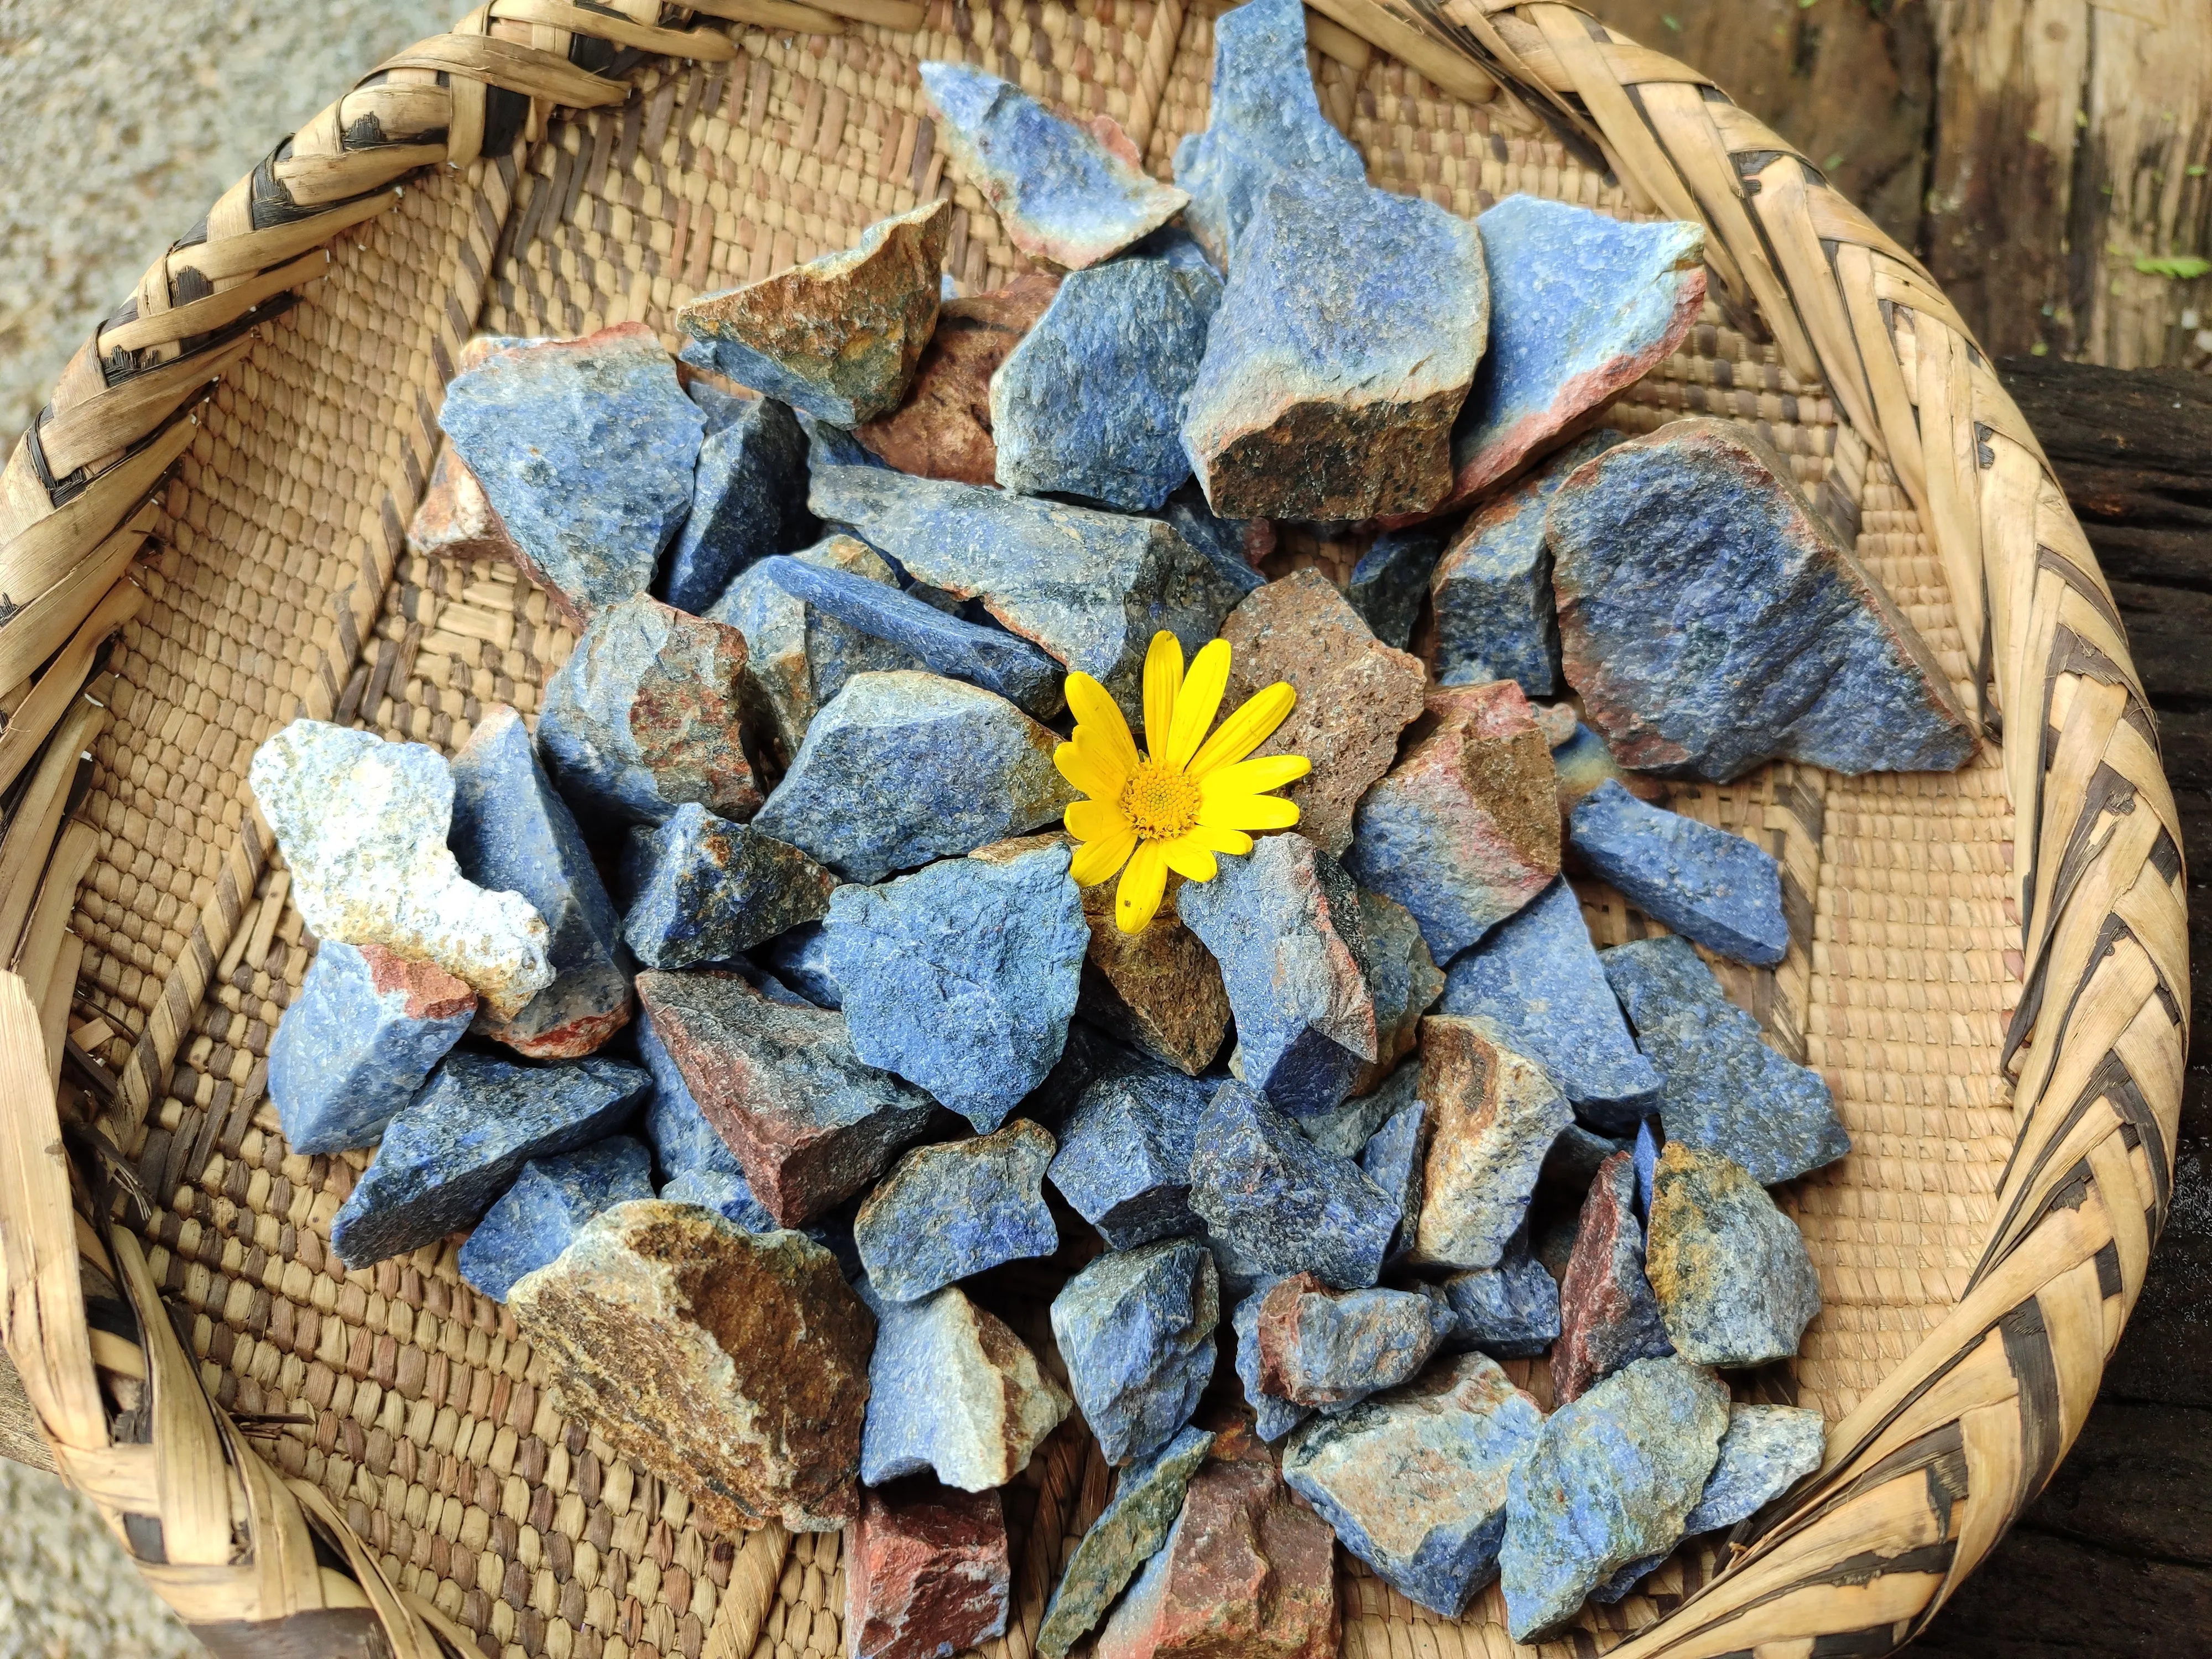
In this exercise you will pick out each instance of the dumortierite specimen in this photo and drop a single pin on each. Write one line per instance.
(695, 1163)
(1393, 1159)
(1735, 1283)
(1346, 1130)
(550, 1201)
(1059, 193)
(903, 768)
(1767, 1450)
(362, 825)
(735, 1364)
(1609, 1317)
(1612, 1479)
(1510, 1311)
(1329, 1349)
(1344, 344)
(953, 1391)
(1272, 1417)
(1493, 1116)
(1725, 1090)
(800, 958)
(948, 1211)
(748, 500)
(586, 450)
(1275, 1203)
(840, 335)
(962, 977)
(649, 713)
(943, 429)
(1232, 546)
(1125, 1150)
(1711, 620)
(511, 831)
(1159, 990)
(463, 1139)
(1537, 984)
(1090, 402)
(701, 890)
(1136, 1329)
(1133, 1526)
(1414, 1481)
(926, 1572)
(1391, 579)
(810, 1123)
(1719, 888)
(1403, 978)
(1285, 924)
(357, 1040)
(1090, 588)
(1264, 117)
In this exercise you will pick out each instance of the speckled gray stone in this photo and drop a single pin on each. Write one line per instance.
(1274, 1203)
(949, 1211)
(702, 890)
(1767, 1450)
(1735, 1283)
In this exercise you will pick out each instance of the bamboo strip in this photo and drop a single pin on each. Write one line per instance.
(37, 631)
(29, 841)
(40, 711)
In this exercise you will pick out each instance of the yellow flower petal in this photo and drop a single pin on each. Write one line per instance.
(1249, 812)
(1220, 840)
(1083, 771)
(1094, 820)
(1247, 729)
(1162, 681)
(1094, 708)
(1138, 898)
(1100, 753)
(1094, 860)
(1198, 701)
(1186, 858)
(1253, 777)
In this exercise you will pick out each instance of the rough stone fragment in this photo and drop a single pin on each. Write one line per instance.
(1330, 1349)
(1584, 763)
(1608, 1317)
(1767, 1450)
(810, 1124)
(1344, 344)
(1159, 989)
(1275, 1203)
(948, 1211)
(1124, 1150)
(1719, 888)
(943, 429)
(1725, 1090)
(695, 1163)
(800, 958)
(1391, 581)
(733, 1364)
(551, 1200)
(1272, 1416)
(1465, 830)
(648, 712)
(1392, 1159)
(1133, 1525)
(1537, 984)
(1493, 1116)
(1285, 924)
(840, 335)
(927, 1572)
(1647, 1168)
(1510, 1311)
(1612, 1479)
(357, 1040)
(1090, 588)
(952, 1390)
(962, 977)
(701, 890)
(511, 831)
(1735, 1283)
(1264, 117)
(1346, 1130)
(748, 500)
(1572, 1163)
(1414, 1481)
(1136, 1329)
(362, 826)
(1711, 620)
(1233, 546)
(1402, 977)
(455, 519)
(463, 1139)
(1091, 402)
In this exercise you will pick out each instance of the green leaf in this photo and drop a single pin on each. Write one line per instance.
(2181, 267)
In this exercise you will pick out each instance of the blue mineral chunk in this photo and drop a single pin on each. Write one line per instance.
(1136, 1330)
(1395, 1160)
(1572, 1163)
(701, 890)
(1734, 1284)
(1347, 1129)
(719, 407)
(1391, 579)
(1719, 888)
(1265, 116)
(800, 958)
(1725, 1089)
(1089, 1054)
(357, 1041)
(827, 443)
(748, 500)
(550, 1201)
(1274, 1203)
(1273, 1417)
(1510, 1311)
(586, 450)
(949, 1211)
(963, 977)
(1767, 1450)
(1125, 1150)
(683, 1142)
(465, 1137)
(952, 1391)
(1090, 402)
(1331, 1349)
(1230, 544)
(1647, 1168)
(727, 1194)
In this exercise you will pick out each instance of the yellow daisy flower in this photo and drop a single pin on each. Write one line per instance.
(1174, 807)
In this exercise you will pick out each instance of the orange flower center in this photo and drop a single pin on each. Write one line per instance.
(1160, 801)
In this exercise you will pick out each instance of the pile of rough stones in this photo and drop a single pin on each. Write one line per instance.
(688, 1002)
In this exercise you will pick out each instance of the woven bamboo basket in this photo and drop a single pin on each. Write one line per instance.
(204, 537)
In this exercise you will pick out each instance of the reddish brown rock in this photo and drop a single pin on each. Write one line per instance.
(1160, 989)
(927, 1571)
(1607, 1314)
(431, 991)
(1327, 1348)
(1355, 694)
(943, 429)
(456, 519)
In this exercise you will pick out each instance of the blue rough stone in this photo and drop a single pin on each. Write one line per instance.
(800, 958)
(1510, 1311)
(1128, 1531)
(1393, 1160)
(1402, 977)
(1090, 402)
(949, 1211)
(1767, 1450)
(1572, 1163)
(1610, 1480)
(963, 977)
(513, 833)
(355, 1044)
(1272, 1417)
(1136, 1330)
(828, 444)
(1230, 545)
(1090, 588)
(1285, 924)
(719, 407)
(586, 450)
(1734, 1284)
(903, 768)
(1345, 1130)
(952, 1391)
(1647, 1168)
(552, 1197)
(1331, 1349)
(1391, 579)
(1124, 1160)
(1264, 117)
(702, 890)
(1711, 620)
(1719, 888)
(463, 1138)
(748, 500)
(1581, 764)
(1609, 1317)
(1725, 1089)
(1415, 1481)
(1537, 984)
(1274, 1203)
